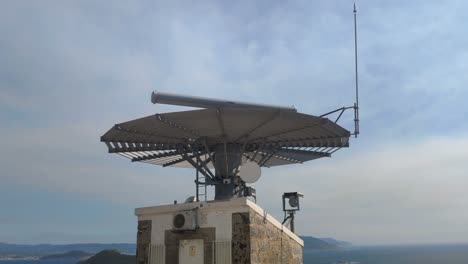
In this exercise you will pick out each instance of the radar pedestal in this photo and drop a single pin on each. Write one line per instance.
(227, 158)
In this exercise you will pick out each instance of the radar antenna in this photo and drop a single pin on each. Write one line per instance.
(228, 142)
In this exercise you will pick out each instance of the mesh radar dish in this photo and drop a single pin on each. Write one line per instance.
(217, 138)
(250, 172)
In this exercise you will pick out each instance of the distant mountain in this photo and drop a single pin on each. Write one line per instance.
(109, 257)
(75, 254)
(315, 243)
(335, 242)
(130, 248)
(47, 249)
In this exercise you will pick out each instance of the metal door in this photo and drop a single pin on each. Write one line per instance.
(191, 251)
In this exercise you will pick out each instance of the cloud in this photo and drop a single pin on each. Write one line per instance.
(70, 70)
(71, 159)
(408, 192)
(388, 193)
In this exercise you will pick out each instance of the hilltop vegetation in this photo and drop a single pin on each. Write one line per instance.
(109, 257)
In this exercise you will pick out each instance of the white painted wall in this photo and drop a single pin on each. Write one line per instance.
(191, 251)
(211, 214)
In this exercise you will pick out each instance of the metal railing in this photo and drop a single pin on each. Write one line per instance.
(220, 250)
(157, 254)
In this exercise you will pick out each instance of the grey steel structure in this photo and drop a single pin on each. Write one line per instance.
(224, 135)
(203, 102)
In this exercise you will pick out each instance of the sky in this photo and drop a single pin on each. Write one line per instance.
(70, 70)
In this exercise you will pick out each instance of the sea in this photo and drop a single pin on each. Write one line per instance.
(434, 254)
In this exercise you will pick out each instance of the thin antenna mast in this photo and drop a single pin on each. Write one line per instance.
(355, 107)
(356, 104)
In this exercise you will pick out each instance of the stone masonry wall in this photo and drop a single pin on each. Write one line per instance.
(270, 245)
(143, 241)
(240, 238)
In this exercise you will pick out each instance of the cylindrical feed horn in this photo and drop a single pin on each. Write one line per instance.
(203, 102)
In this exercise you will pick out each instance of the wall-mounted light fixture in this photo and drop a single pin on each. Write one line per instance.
(291, 207)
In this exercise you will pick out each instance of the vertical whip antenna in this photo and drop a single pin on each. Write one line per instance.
(356, 104)
(355, 107)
